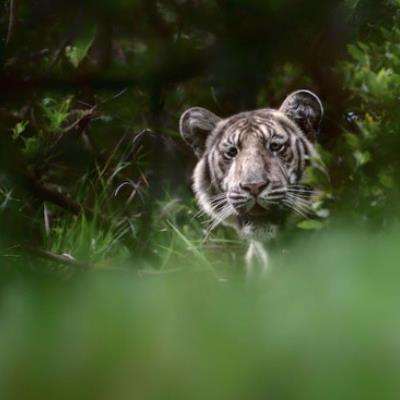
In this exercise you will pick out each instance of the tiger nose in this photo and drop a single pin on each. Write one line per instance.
(254, 188)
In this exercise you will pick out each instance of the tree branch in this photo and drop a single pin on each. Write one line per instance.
(11, 20)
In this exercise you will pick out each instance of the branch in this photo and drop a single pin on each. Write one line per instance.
(55, 197)
(62, 200)
(11, 20)
(59, 258)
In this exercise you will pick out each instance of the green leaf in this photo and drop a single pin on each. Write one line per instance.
(357, 53)
(32, 147)
(78, 51)
(352, 140)
(386, 180)
(19, 128)
(310, 224)
(56, 112)
(362, 157)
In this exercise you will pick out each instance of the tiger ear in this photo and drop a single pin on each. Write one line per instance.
(195, 125)
(305, 108)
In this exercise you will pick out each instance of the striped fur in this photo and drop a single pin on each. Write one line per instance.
(251, 165)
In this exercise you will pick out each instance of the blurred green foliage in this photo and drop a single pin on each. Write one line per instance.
(325, 324)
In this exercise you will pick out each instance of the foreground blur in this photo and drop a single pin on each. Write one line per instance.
(324, 325)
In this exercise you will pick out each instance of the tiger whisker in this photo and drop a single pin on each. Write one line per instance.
(214, 206)
(276, 194)
(241, 204)
(299, 185)
(302, 188)
(218, 202)
(294, 208)
(300, 199)
(218, 197)
(304, 207)
(223, 215)
(305, 197)
(199, 214)
(295, 190)
(302, 193)
(273, 198)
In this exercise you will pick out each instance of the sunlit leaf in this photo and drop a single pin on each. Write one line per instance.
(79, 49)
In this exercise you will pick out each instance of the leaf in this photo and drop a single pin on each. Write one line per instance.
(386, 180)
(32, 147)
(357, 53)
(56, 112)
(310, 224)
(19, 128)
(352, 140)
(78, 51)
(362, 157)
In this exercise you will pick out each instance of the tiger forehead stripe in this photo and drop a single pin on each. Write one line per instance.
(283, 130)
(237, 137)
(233, 132)
(263, 126)
(264, 129)
(261, 120)
(236, 128)
(285, 126)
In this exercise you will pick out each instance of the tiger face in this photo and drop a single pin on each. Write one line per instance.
(251, 165)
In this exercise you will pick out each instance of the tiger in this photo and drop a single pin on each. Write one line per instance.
(252, 166)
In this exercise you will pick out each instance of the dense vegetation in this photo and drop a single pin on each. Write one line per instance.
(110, 286)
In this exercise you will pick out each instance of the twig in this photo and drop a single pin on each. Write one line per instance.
(46, 219)
(59, 53)
(82, 121)
(11, 20)
(115, 97)
(61, 200)
(59, 258)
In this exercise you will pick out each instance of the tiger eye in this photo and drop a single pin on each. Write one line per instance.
(276, 147)
(232, 152)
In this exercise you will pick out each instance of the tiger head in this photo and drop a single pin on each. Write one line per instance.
(251, 165)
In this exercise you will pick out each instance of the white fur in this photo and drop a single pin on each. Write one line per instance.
(257, 260)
